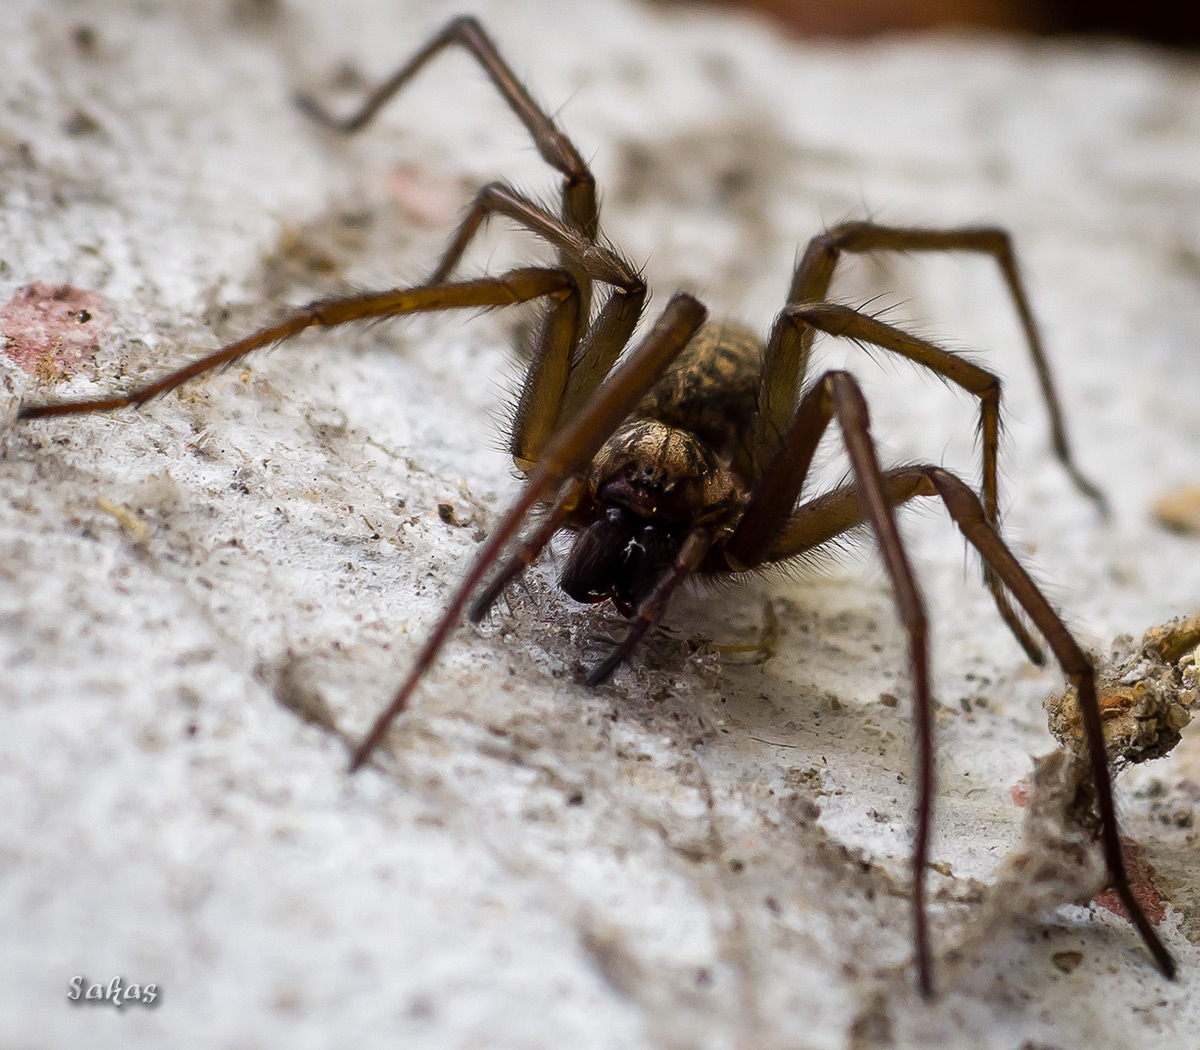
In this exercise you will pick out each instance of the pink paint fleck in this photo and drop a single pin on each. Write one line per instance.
(50, 327)
(1141, 882)
(1019, 792)
(424, 199)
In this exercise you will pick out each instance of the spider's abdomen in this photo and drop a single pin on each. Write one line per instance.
(711, 390)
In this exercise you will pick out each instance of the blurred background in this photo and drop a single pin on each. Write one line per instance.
(1166, 22)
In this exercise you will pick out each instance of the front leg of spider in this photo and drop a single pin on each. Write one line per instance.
(567, 454)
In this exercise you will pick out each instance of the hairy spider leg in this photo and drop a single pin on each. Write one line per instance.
(838, 395)
(567, 454)
(543, 406)
(580, 209)
(574, 235)
(814, 273)
(791, 339)
(516, 286)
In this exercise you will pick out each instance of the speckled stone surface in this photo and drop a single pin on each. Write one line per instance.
(201, 601)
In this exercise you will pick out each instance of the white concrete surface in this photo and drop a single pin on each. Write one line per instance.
(709, 852)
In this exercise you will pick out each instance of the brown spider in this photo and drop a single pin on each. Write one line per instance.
(689, 456)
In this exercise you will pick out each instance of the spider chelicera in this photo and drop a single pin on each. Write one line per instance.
(688, 455)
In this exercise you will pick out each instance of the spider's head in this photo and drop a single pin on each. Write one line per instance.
(650, 484)
(661, 472)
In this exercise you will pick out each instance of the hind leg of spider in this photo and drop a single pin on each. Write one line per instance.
(814, 273)
(579, 188)
(580, 210)
(516, 286)
(564, 457)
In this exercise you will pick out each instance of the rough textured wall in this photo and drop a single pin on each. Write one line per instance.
(200, 601)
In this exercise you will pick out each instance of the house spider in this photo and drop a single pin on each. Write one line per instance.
(688, 455)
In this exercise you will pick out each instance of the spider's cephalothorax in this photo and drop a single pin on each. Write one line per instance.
(689, 455)
(668, 468)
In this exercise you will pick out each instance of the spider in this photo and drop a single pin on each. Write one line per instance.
(687, 455)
